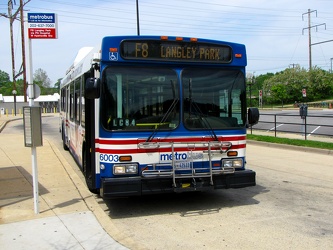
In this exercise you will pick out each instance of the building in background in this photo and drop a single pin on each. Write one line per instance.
(48, 103)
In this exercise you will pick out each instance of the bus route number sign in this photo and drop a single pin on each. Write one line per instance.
(176, 51)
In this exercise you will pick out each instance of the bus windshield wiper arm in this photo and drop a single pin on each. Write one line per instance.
(166, 115)
(204, 120)
(197, 108)
(164, 118)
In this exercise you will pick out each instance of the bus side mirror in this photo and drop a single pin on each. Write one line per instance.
(253, 116)
(92, 88)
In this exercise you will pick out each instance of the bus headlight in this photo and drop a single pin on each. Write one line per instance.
(125, 168)
(232, 163)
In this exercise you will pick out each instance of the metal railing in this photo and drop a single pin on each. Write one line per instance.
(295, 124)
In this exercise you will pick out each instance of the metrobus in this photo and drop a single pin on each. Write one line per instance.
(148, 115)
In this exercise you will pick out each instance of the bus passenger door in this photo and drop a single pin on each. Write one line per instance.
(88, 164)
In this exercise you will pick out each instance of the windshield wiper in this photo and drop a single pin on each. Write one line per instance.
(167, 114)
(201, 115)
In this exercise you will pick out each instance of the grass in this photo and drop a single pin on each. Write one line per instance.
(295, 142)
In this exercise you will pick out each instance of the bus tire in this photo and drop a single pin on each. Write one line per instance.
(65, 147)
(87, 175)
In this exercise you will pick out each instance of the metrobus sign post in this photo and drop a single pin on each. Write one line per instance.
(40, 26)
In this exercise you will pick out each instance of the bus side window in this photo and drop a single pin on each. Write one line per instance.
(71, 102)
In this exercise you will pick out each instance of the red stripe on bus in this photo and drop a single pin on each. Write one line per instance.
(159, 150)
(136, 141)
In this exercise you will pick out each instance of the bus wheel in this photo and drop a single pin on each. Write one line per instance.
(65, 147)
(87, 175)
(94, 190)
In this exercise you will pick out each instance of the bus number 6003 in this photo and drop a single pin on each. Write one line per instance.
(108, 158)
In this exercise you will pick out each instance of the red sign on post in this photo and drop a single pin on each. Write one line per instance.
(42, 33)
(304, 92)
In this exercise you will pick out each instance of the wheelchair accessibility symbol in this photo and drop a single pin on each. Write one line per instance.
(113, 56)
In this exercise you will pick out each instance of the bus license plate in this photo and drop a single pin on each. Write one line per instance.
(183, 165)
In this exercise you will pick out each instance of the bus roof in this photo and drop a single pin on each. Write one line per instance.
(169, 49)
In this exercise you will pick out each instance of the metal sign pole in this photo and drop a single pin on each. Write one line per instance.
(33, 148)
(40, 26)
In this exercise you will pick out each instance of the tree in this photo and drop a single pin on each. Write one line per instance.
(57, 84)
(279, 92)
(4, 78)
(41, 78)
(317, 82)
(43, 81)
(322, 84)
(293, 79)
(6, 86)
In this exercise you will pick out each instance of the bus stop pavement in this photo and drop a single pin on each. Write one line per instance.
(68, 215)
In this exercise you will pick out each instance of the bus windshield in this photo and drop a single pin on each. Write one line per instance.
(143, 98)
(137, 98)
(213, 98)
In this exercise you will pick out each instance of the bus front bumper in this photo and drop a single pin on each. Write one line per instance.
(137, 186)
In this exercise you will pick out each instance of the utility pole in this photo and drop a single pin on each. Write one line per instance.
(11, 21)
(12, 17)
(294, 65)
(137, 17)
(23, 51)
(309, 28)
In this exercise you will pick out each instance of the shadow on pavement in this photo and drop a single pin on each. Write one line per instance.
(185, 204)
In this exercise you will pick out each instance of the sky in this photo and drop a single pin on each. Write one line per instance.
(275, 33)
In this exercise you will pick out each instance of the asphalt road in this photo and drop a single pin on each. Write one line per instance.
(318, 122)
(290, 208)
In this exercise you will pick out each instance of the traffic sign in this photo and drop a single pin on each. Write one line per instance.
(304, 92)
(42, 26)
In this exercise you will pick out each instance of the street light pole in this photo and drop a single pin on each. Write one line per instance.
(14, 92)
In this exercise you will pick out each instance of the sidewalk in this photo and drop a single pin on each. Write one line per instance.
(69, 216)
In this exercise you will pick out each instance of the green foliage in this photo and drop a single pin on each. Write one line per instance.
(6, 86)
(57, 84)
(40, 78)
(279, 92)
(286, 86)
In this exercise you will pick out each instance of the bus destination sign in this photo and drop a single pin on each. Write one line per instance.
(176, 51)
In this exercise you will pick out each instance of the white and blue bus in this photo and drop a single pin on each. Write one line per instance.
(147, 114)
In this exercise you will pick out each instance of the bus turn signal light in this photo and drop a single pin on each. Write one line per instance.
(232, 153)
(125, 158)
